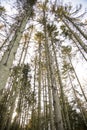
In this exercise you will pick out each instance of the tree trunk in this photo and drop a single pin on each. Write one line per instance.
(39, 90)
(33, 106)
(78, 101)
(84, 47)
(78, 80)
(56, 102)
(50, 102)
(66, 123)
(83, 34)
(5, 67)
(73, 39)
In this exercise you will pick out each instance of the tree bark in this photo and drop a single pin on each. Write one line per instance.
(84, 47)
(56, 102)
(5, 67)
(83, 34)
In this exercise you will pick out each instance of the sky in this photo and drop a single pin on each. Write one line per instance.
(76, 2)
(79, 67)
(73, 2)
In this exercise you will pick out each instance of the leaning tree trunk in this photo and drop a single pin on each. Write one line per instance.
(78, 79)
(75, 42)
(66, 123)
(84, 47)
(5, 68)
(77, 27)
(77, 100)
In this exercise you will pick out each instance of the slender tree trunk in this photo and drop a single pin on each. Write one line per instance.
(11, 111)
(39, 90)
(56, 102)
(84, 47)
(13, 105)
(50, 102)
(33, 106)
(78, 47)
(44, 103)
(46, 108)
(67, 117)
(17, 91)
(8, 38)
(5, 67)
(69, 19)
(61, 87)
(78, 80)
(78, 101)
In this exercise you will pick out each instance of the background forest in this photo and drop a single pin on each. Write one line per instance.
(43, 65)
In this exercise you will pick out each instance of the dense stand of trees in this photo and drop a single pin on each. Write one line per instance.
(42, 91)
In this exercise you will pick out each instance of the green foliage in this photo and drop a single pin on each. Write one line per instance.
(22, 88)
(65, 31)
(52, 32)
(39, 36)
(27, 4)
(2, 10)
(66, 50)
